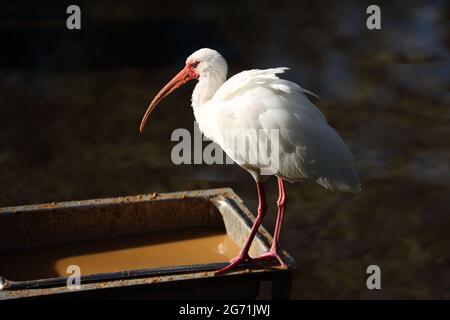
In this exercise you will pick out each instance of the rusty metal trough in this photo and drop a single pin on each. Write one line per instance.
(38, 225)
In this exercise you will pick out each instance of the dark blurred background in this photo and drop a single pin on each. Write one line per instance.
(71, 103)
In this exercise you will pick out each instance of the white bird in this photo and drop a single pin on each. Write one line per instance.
(291, 137)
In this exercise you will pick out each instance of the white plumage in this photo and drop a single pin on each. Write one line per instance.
(257, 103)
(260, 100)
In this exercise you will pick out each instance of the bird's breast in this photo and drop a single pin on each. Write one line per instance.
(205, 116)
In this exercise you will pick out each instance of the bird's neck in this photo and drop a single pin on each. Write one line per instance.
(205, 88)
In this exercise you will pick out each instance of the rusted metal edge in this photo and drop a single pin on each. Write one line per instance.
(191, 194)
(206, 269)
(99, 277)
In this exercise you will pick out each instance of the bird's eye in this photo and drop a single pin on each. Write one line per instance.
(194, 64)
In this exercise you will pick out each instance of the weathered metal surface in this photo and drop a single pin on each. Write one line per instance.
(36, 225)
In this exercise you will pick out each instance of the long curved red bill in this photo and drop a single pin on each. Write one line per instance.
(181, 78)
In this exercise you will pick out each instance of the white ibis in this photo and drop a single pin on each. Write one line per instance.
(259, 101)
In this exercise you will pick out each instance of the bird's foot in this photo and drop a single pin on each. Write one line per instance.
(270, 255)
(234, 263)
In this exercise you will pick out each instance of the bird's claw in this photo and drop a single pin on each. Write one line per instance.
(240, 259)
(271, 254)
(234, 263)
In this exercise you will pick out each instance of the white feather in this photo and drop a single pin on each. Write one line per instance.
(258, 100)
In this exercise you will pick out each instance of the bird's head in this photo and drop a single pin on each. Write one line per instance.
(200, 65)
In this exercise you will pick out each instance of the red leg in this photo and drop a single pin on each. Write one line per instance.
(281, 204)
(243, 255)
(273, 253)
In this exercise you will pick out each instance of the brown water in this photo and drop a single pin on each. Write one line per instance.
(151, 250)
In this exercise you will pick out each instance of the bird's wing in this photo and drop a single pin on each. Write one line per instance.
(258, 102)
(246, 79)
(250, 78)
(247, 82)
